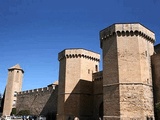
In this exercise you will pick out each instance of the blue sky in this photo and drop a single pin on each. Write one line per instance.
(33, 32)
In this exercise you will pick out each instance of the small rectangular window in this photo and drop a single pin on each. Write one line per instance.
(149, 118)
(146, 53)
(15, 93)
(96, 68)
(88, 71)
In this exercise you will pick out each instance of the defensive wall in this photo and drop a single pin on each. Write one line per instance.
(156, 77)
(123, 90)
(98, 94)
(41, 101)
(157, 49)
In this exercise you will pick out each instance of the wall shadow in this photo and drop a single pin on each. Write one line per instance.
(80, 101)
(50, 108)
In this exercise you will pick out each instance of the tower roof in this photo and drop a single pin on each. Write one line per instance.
(16, 67)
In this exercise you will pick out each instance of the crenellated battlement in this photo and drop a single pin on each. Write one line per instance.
(128, 29)
(78, 53)
(44, 89)
(39, 100)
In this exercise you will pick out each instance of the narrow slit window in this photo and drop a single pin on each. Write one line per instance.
(88, 71)
(96, 68)
(146, 53)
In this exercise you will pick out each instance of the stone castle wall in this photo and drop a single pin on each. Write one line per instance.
(123, 90)
(98, 95)
(40, 101)
(156, 80)
(157, 49)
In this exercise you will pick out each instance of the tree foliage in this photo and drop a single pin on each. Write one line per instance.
(157, 106)
(24, 113)
(13, 111)
(0, 95)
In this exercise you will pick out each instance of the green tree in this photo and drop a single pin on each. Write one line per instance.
(13, 111)
(24, 112)
(157, 106)
(0, 96)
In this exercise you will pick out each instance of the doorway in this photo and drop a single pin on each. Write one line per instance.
(101, 111)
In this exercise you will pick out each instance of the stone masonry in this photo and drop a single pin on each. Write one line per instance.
(40, 101)
(127, 77)
(75, 83)
(156, 78)
(126, 89)
(14, 85)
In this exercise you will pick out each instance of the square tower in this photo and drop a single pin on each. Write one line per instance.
(127, 77)
(14, 85)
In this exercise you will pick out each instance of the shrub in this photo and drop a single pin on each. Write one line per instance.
(24, 113)
(13, 111)
(157, 106)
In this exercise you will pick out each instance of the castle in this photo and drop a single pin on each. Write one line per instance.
(126, 89)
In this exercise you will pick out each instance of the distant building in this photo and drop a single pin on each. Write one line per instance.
(126, 89)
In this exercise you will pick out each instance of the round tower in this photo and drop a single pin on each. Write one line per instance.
(75, 83)
(14, 85)
(127, 78)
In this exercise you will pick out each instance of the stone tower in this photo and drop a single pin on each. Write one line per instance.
(76, 68)
(127, 77)
(14, 85)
